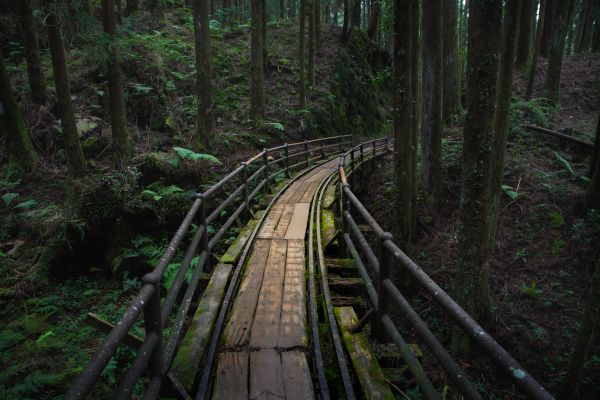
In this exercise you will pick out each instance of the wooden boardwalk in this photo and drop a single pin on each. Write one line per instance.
(265, 341)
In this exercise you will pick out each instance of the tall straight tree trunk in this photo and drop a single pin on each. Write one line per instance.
(281, 9)
(451, 73)
(355, 16)
(257, 79)
(29, 34)
(596, 36)
(536, 49)
(121, 142)
(311, 42)
(264, 20)
(374, 20)
(557, 47)
(318, 25)
(205, 128)
(63, 93)
(346, 23)
(213, 8)
(525, 32)
(431, 124)
(596, 152)
(585, 28)
(301, 63)
(472, 289)
(12, 123)
(548, 27)
(592, 197)
(509, 44)
(403, 146)
(416, 49)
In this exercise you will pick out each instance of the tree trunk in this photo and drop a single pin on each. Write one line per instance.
(118, 121)
(205, 128)
(355, 18)
(431, 123)
(525, 32)
(311, 43)
(596, 38)
(12, 123)
(570, 383)
(318, 25)
(131, 6)
(281, 9)
(346, 24)
(548, 30)
(585, 28)
(29, 35)
(592, 198)
(301, 71)
(403, 146)
(472, 286)
(213, 8)
(536, 49)
(450, 73)
(156, 8)
(509, 45)
(557, 47)
(374, 20)
(257, 79)
(63, 93)
(264, 20)
(416, 89)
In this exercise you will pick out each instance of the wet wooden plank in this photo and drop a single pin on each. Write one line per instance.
(298, 192)
(292, 327)
(310, 192)
(284, 222)
(231, 380)
(190, 353)
(266, 375)
(299, 222)
(268, 226)
(237, 331)
(296, 376)
(265, 328)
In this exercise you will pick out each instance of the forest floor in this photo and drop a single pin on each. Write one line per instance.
(546, 245)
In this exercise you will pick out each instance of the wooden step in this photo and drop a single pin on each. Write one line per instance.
(345, 267)
(189, 356)
(366, 367)
(345, 285)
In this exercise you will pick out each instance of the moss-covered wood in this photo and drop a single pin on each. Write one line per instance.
(366, 367)
(328, 229)
(236, 248)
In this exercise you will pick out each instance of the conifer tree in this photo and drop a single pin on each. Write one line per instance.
(29, 34)
(257, 80)
(301, 63)
(556, 49)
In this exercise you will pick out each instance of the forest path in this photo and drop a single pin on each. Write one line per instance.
(265, 341)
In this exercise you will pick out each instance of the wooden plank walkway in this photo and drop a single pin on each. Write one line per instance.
(264, 344)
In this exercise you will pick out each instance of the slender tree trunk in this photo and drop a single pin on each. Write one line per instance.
(281, 9)
(355, 17)
(416, 49)
(264, 21)
(451, 73)
(213, 8)
(131, 6)
(586, 22)
(301, 71)
(63, 93)
(431, 124)
(570, 383)
(205, 128)
(403, 108)
(509, 45)
(35, 73)
(557, 47)
(592, 198)
(596, 38)
(525, 33)
(548, 27)
(536, 49)
(472, 286)
(596, 152)
(318, 25)
(346, 25)
(12, 123)
(311, 42)
(374, 20)
(121, 140)
(257, 79)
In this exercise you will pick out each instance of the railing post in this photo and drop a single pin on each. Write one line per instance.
(287, 161)
(373, 148)
(387, 144)
(153, 324)
(344, 206)
(266, 159)
(245, 192)
(322, 148)
(383, 298)
(204, 240)
(341, 141)
(306, 151)
(352, 166)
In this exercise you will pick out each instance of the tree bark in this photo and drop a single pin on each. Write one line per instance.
(29, 34)
(355, 17)
(472, 286)
(596, 36)
(450, 73)
(416, 84)
(121, 141)
(301, 63)
(73, 150)
(585, 28)
(264, 20)
(431, 124)
(536, 49)
(403, 143)
(11, 122)
(257, 79)
(374, 20)
(557, 47)
(156, 8)
(281, 9)
(525, 32)
(205, 128)
(346, 24)
(548, 28)
(131, 6)
(318, 25)
(311, 42)
(592, 198)
(509, 44)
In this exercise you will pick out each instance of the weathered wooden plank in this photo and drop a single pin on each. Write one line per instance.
(319, 176)
(328, 230)
(190, 353)
(296, 376)
(370, 375)
(237, 330)
(298, 192)
(268, 226)
(310, 192)
(265, 328)
(266, 375)
(237, 247)
(292, 327)
(231, 380)
(329, 197)
(299, 222)
(284, 222)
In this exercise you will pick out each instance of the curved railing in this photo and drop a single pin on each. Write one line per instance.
(208, 208)
(383, 293)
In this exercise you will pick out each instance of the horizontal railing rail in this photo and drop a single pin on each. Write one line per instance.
(215, 210)
(375, 268)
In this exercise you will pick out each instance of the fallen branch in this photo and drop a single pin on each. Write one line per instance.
(588, 145)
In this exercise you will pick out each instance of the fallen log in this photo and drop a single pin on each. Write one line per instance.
(587, 145)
